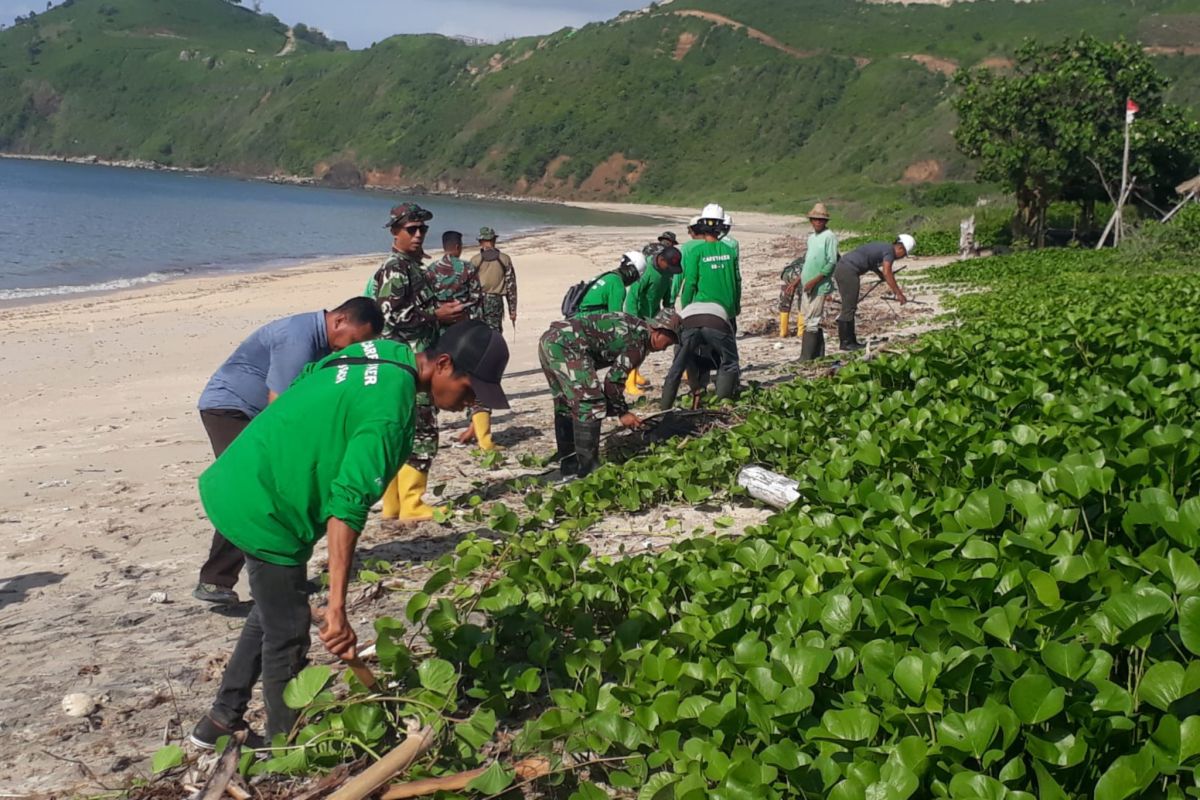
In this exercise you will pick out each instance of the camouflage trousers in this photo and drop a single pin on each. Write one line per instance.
(575, 387)
(493, 311)
(425, 434)
(786, 298)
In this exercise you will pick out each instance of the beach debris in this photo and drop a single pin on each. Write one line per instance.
(158, 597)
(777, 491)
(53, 484)
(79, 704)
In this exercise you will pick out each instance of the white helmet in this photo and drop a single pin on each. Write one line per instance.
(638, 260)
(712, 211)
(729, 220)
(909, 243)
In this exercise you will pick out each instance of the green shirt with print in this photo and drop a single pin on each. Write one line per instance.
(325, 448)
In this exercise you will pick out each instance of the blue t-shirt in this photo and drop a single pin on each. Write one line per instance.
(269, 360)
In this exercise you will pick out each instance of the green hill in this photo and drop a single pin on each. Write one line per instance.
(766, 102)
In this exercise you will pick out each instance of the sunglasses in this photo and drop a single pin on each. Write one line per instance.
(412, 230)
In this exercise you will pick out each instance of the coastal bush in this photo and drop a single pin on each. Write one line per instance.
(989, 588)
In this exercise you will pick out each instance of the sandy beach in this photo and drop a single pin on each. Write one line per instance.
(103, 445)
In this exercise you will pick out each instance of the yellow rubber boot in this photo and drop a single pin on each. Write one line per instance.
(391, 499)
(412, 485)
(641, 380)
(481, 421)
(631, 386)
(800, 326)
(783, 323)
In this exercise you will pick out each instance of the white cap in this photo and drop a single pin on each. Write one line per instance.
(909, 243)
(638, 260)
(712, 211)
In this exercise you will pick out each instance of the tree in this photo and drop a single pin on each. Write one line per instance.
(1054, 128)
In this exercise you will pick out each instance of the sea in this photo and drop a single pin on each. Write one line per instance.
(78, 228)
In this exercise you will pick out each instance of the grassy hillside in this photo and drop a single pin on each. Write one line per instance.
(768, 102)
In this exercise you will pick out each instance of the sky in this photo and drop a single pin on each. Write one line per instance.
(361, 22)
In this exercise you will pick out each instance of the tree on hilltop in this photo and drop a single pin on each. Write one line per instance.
(1054, 128)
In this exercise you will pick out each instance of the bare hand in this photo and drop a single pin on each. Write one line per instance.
(793, 286)
(337, 635)
(630, 420)
(900, 297)
(454, 311)
(512, 317)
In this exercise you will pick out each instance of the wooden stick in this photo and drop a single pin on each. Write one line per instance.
(363, 673)
(527, 770)
(227, 766)
(387, 767)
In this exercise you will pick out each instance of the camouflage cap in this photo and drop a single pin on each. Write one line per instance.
(667, 320)
(408, 212)
(487, 234)
(669, 236)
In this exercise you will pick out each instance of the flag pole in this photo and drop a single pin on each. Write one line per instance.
(1119, 231)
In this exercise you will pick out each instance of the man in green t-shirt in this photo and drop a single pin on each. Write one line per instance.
(647, 297)
(607, 292)
(815, 282)
(310, 466)
(710, 269)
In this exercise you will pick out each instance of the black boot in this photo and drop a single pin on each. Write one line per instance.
(564, 436)
(587, 446)
(809, 345)
(564, 441)
(821, 342)
(846, 336)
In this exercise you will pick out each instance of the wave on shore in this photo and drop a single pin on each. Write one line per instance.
(105, 286)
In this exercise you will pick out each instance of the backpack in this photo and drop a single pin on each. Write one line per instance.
(574, 296)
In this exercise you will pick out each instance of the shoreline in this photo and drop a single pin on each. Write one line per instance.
(286, 179)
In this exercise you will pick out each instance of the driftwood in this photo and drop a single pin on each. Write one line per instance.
(527, 770)
(777, 491)
(386, 768)
(214, 787)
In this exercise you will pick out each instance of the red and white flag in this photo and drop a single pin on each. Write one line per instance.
(1131, 110)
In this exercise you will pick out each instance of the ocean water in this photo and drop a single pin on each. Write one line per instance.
(71, 228)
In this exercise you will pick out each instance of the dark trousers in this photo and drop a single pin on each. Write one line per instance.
(273, 645)
(225, 561)
(848, 281)
(698, 349)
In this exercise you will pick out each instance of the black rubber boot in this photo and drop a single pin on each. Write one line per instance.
(846, 336)
(587, 446)
(821, 340)
(564, 436)
(810, 345)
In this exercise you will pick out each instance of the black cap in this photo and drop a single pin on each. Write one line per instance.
(674, 259)
(480, 352)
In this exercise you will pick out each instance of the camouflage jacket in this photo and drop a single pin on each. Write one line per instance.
(595, 341)
(509, 290)
(407, 301)
(455, 279)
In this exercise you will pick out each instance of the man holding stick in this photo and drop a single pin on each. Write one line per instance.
(310, 466)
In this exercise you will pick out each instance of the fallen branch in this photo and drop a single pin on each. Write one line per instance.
(218, 782)
(527, 770)
(387, 767)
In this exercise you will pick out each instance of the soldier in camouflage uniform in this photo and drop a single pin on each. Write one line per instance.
(412, 315)
(499, 280)
(454, 279)
(571, 354)
(790, 278)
